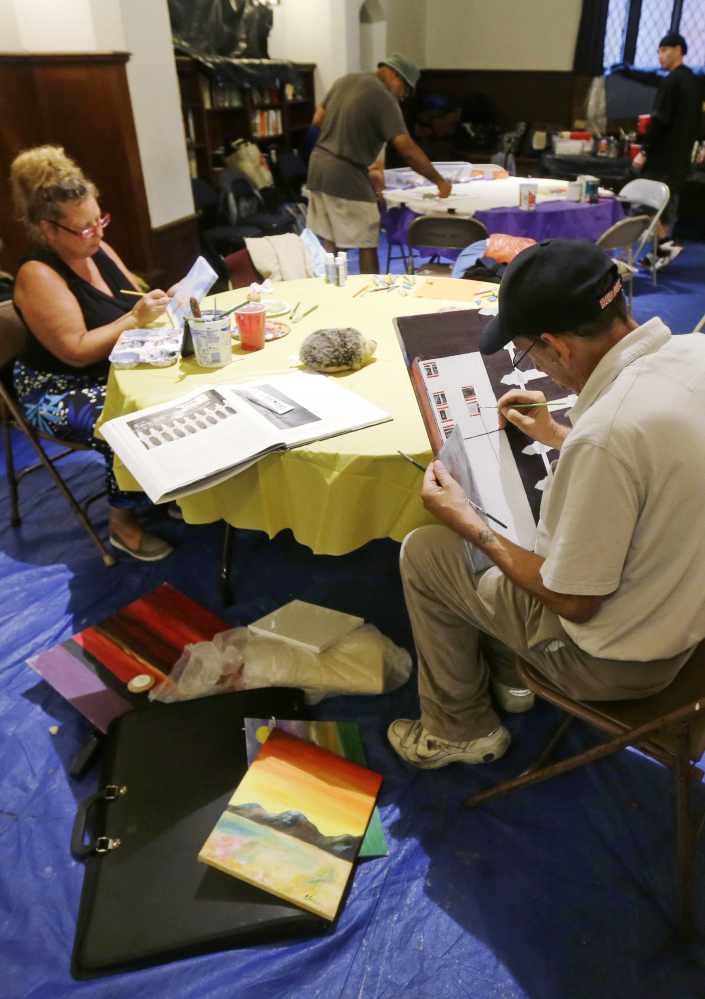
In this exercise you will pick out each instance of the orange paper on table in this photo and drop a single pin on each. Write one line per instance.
(457, 289)
(295, 824)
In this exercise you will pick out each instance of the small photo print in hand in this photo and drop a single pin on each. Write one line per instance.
(180, 421)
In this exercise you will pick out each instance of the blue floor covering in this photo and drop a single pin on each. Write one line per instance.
(565, 891)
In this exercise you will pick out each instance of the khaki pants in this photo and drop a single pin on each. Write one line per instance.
(468, 627)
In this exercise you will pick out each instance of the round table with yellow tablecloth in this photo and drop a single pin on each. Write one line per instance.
(337, 494)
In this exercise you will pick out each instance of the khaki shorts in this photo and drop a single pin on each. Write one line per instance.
(350, 225)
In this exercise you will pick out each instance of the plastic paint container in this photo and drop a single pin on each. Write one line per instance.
(251, 321)
(212, 343)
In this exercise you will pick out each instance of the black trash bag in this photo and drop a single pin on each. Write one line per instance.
(229, 39)
(238, 29)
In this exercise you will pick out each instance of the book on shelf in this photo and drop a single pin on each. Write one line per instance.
(179, 447)
(205, 85)
(192, 164)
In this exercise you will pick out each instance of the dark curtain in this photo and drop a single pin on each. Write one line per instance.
(590, 46)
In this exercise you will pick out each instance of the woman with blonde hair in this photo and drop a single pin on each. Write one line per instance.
(68, 294)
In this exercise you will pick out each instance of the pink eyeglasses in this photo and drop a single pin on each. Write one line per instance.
(92, 230)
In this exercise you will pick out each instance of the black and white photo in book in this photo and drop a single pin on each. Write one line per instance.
(192, 417)
(271, 403)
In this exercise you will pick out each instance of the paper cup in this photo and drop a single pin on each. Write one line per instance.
(251, 320)
(211, 340)
(527, 197)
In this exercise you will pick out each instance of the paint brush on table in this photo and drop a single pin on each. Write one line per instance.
(299, 318)
(474, 505)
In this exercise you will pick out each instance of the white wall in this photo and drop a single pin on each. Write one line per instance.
(312, 31)
(55, 25)
(509, 34)
(142, 28)
(156, 106)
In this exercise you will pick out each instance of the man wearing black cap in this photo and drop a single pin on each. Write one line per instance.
(667, 146)
(345, 174)
(611, 602)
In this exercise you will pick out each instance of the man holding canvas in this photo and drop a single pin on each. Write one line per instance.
(611, 602)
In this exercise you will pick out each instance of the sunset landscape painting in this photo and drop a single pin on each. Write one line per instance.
(295, 823)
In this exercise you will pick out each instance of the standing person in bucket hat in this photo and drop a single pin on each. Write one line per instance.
(610, 604)
(345, 175)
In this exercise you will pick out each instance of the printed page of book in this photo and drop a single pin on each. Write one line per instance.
(305, 406)
(186, 442)
(461, 396)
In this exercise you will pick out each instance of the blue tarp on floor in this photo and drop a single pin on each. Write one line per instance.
(565, 891)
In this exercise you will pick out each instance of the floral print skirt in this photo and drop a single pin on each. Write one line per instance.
(68, 406)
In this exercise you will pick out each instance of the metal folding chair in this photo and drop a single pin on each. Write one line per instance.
(669, 727)
(654, 194)
(12, 334)
(623, 236)
(447, 232)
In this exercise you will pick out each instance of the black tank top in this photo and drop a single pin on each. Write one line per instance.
(98, 309)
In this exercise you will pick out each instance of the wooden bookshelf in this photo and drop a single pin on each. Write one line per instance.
(215, 116)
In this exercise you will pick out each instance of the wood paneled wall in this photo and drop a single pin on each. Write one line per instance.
(555, 98)
(82, 102)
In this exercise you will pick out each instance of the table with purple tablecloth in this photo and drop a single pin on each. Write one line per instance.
(570, 219)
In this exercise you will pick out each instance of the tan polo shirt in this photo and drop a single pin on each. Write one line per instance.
(624, 512)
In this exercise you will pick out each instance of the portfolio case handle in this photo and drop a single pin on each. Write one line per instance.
(101, 844)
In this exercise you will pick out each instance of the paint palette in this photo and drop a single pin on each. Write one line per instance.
(274, 329)
(276, 308)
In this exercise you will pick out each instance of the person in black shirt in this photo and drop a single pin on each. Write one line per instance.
(69, 292)
(667, 146)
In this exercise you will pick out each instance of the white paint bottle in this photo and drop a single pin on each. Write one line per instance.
(330, 268)
(341, 268)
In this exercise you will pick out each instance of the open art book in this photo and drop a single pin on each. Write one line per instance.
(205, 436)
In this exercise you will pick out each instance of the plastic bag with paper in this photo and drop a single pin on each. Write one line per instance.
(364, 662)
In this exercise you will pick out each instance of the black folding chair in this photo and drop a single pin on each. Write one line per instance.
(12, 334)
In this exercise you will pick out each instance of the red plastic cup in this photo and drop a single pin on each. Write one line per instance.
(251, 320)
(643, 126)
(634, 151)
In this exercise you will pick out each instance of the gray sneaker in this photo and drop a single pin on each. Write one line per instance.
(429, 752)
(151, 548)
(516, 700)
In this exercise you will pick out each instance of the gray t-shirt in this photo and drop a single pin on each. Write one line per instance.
(360, 116)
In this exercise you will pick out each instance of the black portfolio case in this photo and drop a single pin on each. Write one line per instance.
(168, 775)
